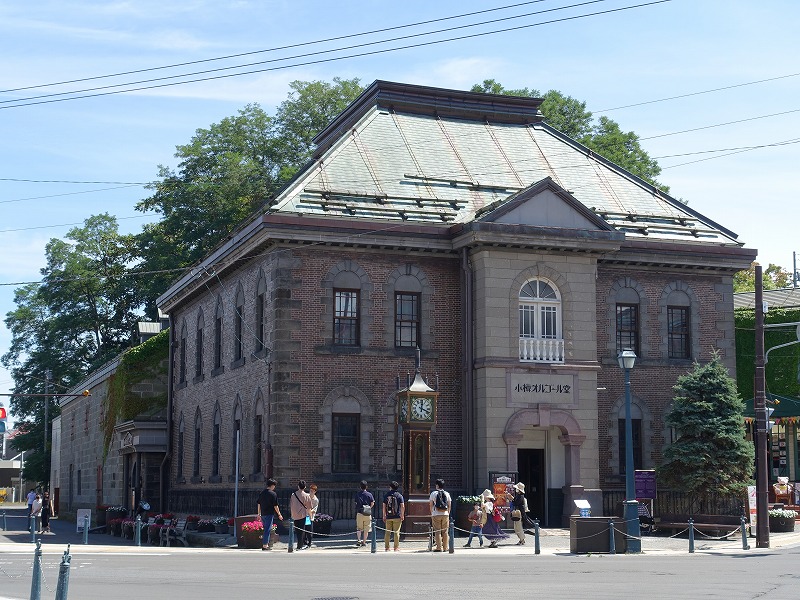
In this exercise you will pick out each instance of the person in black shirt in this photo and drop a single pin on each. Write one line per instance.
(267, 509)
(393, 513)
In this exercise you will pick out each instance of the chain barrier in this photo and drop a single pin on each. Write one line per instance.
(44, 579)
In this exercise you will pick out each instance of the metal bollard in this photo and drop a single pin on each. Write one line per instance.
(691, 536)
(537, 549)
(137, 531)
(291, 536)
(612, 544)
(32, 528)
(373, 536)
(62, 588)
(451, 533)
(86, 529)
(5, 525)
(430, 539)
(36, 578)
(745, 545)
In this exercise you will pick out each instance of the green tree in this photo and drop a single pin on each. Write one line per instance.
(226, 173)
(774, 277)
(79, 317)
(570, 117)
(711, 454)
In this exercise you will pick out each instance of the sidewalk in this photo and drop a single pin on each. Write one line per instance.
(554, 542)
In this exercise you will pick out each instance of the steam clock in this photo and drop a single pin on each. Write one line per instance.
(416, 414)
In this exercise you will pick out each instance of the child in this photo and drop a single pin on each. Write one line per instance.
(477, 518)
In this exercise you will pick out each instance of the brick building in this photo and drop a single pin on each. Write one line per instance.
(519, 262)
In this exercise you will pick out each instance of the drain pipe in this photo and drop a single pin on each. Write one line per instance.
(165, 463)
(468, 398)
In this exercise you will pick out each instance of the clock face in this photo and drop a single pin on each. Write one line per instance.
(403, 412)
(422, 409)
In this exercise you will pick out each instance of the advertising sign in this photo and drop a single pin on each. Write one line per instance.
(82, 512)
(502, 483)
(751, 504)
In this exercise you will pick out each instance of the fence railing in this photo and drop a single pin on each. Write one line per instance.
(674, 502)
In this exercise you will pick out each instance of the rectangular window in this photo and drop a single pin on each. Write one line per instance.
(345, 318)
(527, 323)
(636, 430)
(406, 320)
(549, 321)
(218, 342)
(346, 447)
(678, 332)
(628, 327)
(198, 353)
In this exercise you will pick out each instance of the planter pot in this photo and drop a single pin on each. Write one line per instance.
(101, 518)
(191, 526)
(250, 541)
(322, 527)
(231, 529)
(781, 525)
(462, 522)
(221, 528)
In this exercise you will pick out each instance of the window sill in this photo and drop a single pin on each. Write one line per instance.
(218, 371)
(215, 479)
(238, 363)
(181, 385)
(199, 379)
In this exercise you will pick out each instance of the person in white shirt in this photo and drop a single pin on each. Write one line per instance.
(440, 504)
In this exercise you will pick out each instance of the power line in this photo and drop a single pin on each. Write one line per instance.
(688, 95)
(296, 56)
(122, 187)
(742, 148)
(786, 112)
(72, 224)
(328, 60)
(275, 49)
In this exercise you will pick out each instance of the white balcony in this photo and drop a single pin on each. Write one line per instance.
(541, 350)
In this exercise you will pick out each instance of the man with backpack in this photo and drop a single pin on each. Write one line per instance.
(440, 516)
(365, 503)
(394, 509)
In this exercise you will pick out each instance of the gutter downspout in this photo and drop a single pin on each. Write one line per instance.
(164, 477)
(468, 397)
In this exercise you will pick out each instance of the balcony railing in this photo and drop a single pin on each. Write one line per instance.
(541, 350)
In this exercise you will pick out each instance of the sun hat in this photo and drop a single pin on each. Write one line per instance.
(520, 487)
(487, 494)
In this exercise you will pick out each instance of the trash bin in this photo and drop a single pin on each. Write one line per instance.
(590, 534)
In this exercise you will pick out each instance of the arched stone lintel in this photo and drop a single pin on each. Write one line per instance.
(544, 416)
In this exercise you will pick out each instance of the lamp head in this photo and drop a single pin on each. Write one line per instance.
(626, 359)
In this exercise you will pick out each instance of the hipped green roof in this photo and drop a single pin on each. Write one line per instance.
(787, 406)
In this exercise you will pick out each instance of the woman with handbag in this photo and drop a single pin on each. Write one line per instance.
(518, 506)
(491, 530)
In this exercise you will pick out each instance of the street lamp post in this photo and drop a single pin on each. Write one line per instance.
(626, 360)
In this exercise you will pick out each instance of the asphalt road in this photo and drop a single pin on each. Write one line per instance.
(119, 571)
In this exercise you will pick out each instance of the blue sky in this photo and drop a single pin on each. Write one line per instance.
(608, 61)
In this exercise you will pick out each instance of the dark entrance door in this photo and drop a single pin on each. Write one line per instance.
(530, 464)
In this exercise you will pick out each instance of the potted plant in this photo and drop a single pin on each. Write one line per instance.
(322, 524)
(252, 534)
(191, 522)
(154, 533)
(231, 526)
(115, 512)
(220, 524)
(781, 520)
(101, 514)
(127, 528)
(115, 526)
(205, 526)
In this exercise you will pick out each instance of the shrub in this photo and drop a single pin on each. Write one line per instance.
(253, 527)
(322, 517)
(220, 520)
(205, 526)
(192, 519)
(782, 513)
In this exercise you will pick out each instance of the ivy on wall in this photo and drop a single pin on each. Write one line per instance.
(147, 361)
(783, 369)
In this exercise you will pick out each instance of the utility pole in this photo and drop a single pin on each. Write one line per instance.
(47, 375)
(760, 407)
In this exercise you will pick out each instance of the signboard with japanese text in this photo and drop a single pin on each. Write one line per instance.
(645, 483)
(81, 517)
(535, 388)
(502, 483)
(751, 505)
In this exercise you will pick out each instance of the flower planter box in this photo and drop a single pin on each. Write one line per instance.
(191, 525)
(221, 528)
(781, 524)
(322, 527)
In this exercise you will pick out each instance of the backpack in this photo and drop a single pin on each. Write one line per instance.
(392, 506)
(440, 502)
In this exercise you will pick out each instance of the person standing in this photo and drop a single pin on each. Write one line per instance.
(47, 512)
(311, 514)
(267, 509)
(518, 510)
(394, 510)
(31, 497)
(477, 518)
(440, 504)
(36, 511)
(299, 506)
(491, 530)
(365, 504)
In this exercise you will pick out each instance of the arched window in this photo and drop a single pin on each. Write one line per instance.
(540, 323)
(215, 432)
(258, 436)
(179, 458)
(218, 368)
(198, 428)
(198, 346)
(260, 325)
(182, 354)
(346, 309)
(236, 440)
(679, 339)
(238, 327)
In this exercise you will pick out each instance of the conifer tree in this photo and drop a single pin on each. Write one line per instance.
(711, 454)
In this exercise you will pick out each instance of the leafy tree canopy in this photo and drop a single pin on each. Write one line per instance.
(711, 454)
(605, 136)
(774, 277)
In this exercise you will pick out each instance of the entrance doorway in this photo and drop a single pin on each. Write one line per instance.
(531, 467)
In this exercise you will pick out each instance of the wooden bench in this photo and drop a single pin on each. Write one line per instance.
(175, 532)
(716, 525)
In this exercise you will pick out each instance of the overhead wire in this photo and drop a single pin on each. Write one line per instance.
(24, 102)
